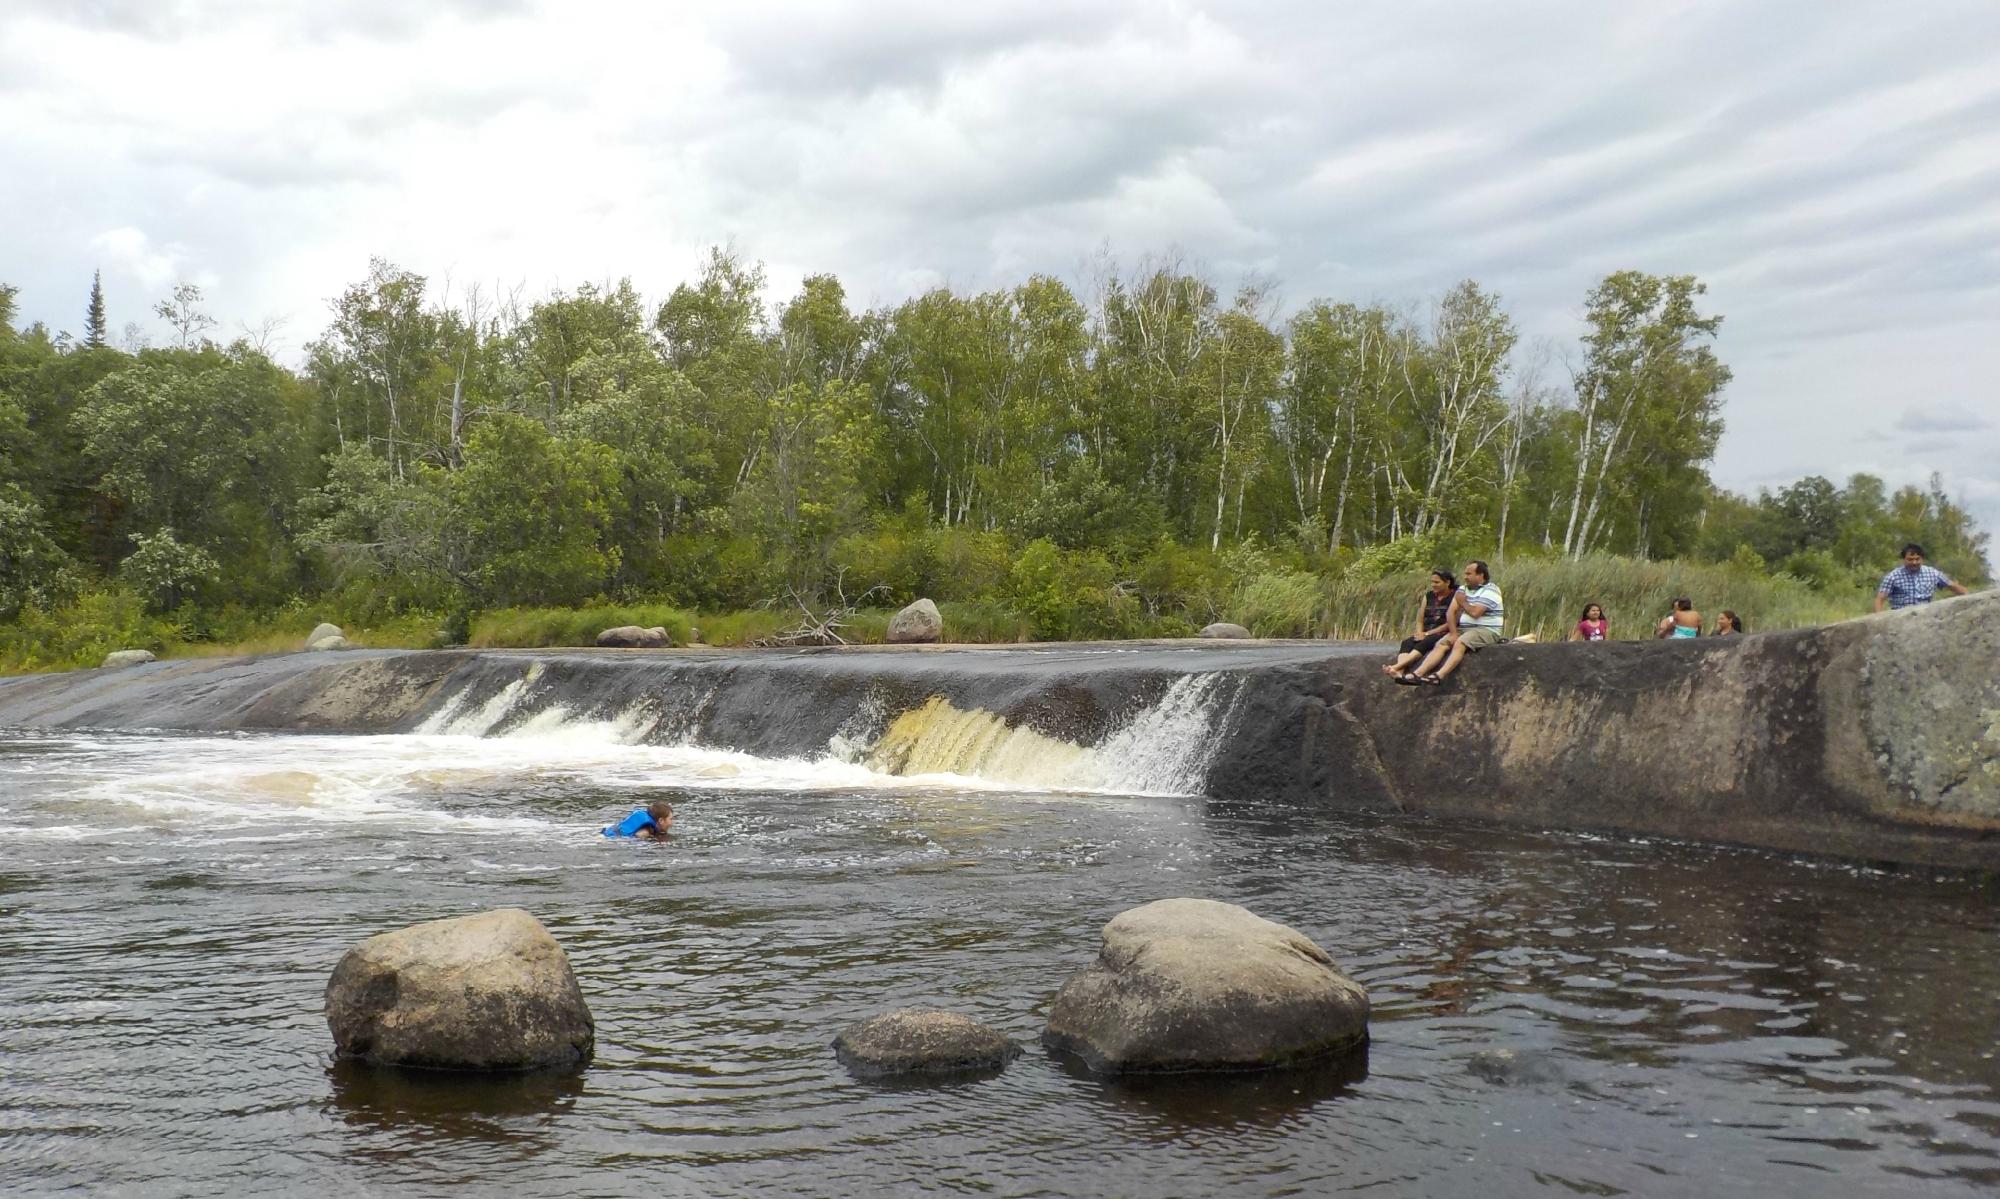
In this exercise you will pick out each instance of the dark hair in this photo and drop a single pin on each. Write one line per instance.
(1450, 579)
(1735, 622)
(1485, 572)
(1586, 612)
(1913, 548)
(1683, 604)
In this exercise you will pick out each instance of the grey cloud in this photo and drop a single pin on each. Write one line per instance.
(1942, 419)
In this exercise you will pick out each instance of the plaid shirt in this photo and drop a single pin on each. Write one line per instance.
(1907, 588)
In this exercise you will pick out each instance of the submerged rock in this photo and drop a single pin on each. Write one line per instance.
(920, 623)
(922, 1041)
(1193, 984)
(487, 992)
(128, 657)
(1224, 631)
(322, 632)
(1514, 1067)
(631, 636)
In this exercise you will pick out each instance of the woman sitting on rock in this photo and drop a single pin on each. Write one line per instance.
(1591, 626)
(1728, 624)
(1683, 621)
(1433, 623)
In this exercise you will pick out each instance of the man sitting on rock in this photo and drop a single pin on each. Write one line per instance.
(1476, 618)
(649, 823)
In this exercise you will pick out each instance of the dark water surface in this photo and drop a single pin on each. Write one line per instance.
(1693, 1021)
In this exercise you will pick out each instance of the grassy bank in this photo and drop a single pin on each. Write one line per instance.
(1544, 596)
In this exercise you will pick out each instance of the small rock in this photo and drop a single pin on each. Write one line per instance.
(335, 642)
(1224, 631)
(128, 657)
(321, 632)
(487, 992)
(721, 770)
(1193, 984)
(1508, 1067)
(919, 624)
(631, 636)
(922, 1041)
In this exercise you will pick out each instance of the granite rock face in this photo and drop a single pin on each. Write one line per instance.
(922, 1041)
(324, 632)
(919, 624)
(1193, 984)
(490, 992)
(128, 657)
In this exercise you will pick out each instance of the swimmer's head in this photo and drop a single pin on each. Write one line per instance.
(662, 813)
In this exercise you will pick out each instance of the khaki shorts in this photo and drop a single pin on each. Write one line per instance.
(1476, 639)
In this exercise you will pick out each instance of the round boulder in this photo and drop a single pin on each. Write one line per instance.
(1224, 631)
(322, 632)
(128, 657)
(335, 642)
(922, 1041)
(487, 992)
(631, 636)
(919, 624)
(1193, 984)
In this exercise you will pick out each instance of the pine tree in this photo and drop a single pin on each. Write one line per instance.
(93, 321)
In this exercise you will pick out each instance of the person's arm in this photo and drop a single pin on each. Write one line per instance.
(1475, 608)
(1576, 632)
(1956, 586)
(1882, 591)
(1881, 598)
(1421, 605)
(1451, 613)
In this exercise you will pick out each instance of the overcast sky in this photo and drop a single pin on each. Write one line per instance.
(1832, 170)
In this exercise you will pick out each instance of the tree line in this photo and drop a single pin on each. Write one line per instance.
(457, 449)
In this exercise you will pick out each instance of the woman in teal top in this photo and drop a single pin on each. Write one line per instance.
(1684, 621)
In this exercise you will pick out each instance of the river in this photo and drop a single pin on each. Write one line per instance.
(1699, 1020)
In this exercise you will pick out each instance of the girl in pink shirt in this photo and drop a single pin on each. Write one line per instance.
(1592, 626)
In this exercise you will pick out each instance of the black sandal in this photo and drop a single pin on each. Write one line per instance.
(1407, 679)
(1432, 680)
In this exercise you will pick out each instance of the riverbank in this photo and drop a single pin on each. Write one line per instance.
(1876, 738)
(1544, 596)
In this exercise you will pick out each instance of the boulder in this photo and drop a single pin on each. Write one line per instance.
(919, 624)
(321, 632)
(631, 636)
(487, 992)
(1224, 631)
(335, 642)
(1193, 984)
(922, 1041)
(128, 657)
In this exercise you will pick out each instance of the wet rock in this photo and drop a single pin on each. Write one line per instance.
(1193, 984)
(920, 623)
(1224, 631)
(322, 632)
(1514, 1067)
(631, 636)
(922, 1041)
(128, 657)
(487, 992)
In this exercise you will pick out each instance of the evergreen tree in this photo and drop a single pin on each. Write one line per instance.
(94, 326)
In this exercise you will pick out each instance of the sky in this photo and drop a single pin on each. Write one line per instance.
(1831, 170)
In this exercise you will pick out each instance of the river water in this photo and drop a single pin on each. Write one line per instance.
(1688, 1021)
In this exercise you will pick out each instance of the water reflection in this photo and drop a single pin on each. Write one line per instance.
(1223, 1100)
(486, 1107)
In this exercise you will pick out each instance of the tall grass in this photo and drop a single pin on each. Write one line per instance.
(1546, 596)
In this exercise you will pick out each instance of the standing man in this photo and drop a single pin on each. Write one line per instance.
(1476, 617)
(1913, 583)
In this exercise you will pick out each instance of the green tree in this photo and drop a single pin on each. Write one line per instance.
(534, 512)
(94, 323)
(166, 570)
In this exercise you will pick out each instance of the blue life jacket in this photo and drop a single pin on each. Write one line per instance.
(630, 826)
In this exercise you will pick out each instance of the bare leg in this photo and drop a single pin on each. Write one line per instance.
(1451, 663)
(1437, 655)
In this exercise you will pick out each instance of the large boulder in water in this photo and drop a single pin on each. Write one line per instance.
(922, 1041)
(631, 636)
(128, 657)
(1193, 984)
(487, 992)
(1224, 631)
(325, 632)
(919, 624)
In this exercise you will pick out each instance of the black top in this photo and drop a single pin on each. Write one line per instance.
(1435, 608)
